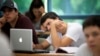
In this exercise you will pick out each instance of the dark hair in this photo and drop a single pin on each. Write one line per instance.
(50, 15)
(92, 21)
(35, 4)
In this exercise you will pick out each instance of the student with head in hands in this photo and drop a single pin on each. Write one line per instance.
(61, 34)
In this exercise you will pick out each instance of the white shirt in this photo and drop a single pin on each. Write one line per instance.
(83, 51)
(5, 49)
(74, 32)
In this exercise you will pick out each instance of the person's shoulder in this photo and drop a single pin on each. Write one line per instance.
(5, 48)
(23, 18)
(75, 27)
(83, 47)
(83, 51)
(75, 24)
(24, 22)
(2, 36)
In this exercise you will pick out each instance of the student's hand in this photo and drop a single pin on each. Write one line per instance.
(33, 45)
(58, 24)
(2, 22)
(43, 28)
(41, 10)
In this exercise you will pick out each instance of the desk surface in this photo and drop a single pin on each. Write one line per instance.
(44, 54)
(45, 33)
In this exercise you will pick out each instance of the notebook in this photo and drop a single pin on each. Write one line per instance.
(69, 50)
(22, 41)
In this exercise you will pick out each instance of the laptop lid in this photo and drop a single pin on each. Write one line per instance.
(21, 39)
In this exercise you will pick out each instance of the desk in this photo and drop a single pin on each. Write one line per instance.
(44, 54)
(45, 33)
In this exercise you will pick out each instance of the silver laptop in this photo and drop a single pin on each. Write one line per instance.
(22, 41)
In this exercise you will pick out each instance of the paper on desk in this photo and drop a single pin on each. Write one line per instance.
(66, 49)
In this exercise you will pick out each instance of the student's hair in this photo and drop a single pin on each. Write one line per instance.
(35, 4)
(50, 15)
(92, 21)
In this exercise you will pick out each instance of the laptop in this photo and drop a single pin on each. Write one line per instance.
(22, 41)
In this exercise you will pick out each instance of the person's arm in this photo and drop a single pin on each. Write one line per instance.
(42, 10)
(2, 21)
(72, 35)
(42, 45)
(56, 40)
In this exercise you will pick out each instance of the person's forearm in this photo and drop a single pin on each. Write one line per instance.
(56, 41)
(38, 46)
(2, 22)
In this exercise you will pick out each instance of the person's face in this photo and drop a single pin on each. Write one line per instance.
(10, 14)
(38, 11)
(92, 34)
(47, 25)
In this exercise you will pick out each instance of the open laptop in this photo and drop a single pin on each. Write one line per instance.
(22, 41)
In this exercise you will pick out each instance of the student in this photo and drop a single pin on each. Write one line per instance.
(91, 28)
(61, 34)
(15, 20)
(35, 12)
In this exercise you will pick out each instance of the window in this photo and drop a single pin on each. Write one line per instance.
(74, 9)
(24, 5)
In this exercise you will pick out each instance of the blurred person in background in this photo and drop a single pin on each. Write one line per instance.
(5, 49)
(35, 13)
(91, 28)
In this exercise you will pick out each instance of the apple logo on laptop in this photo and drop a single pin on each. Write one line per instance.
(20, 40)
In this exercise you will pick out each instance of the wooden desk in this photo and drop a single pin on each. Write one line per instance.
(44, 54)
(45, 33)
(42, 34)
